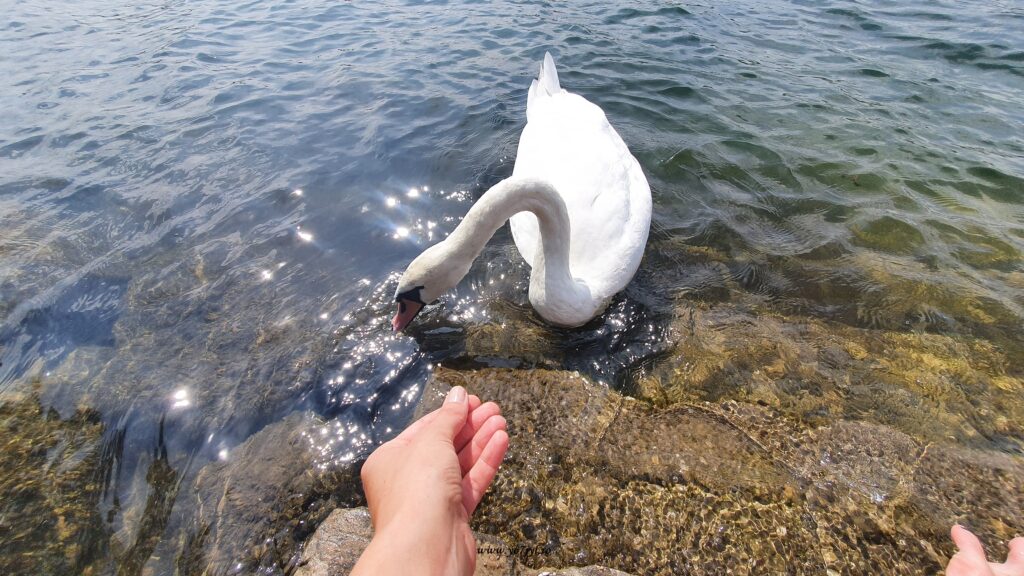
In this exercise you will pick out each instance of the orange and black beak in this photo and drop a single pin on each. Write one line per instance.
(409, 305)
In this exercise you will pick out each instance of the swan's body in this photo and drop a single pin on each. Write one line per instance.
(580, 211)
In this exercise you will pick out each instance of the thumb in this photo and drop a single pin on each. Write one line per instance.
(1015, 559)
(452, 415)
(967, 542)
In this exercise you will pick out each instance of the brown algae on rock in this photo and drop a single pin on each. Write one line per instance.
(253, 508)
(808, 416)
(833, 410)
(931, 386)
(708, 487)
(50, 490)
(888, 234)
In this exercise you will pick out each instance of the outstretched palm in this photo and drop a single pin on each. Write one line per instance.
(423, 486)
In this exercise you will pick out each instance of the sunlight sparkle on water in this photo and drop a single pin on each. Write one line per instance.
(304, 236)
(408, 219)
(180, 399)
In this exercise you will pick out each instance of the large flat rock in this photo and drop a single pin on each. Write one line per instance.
(339, 541)
(595, 477)
(253, 508)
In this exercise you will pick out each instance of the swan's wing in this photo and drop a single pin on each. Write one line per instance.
(569, 142)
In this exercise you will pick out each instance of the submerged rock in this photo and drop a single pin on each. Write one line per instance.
(595, 477)
(53, 480)
(933, 387)
(889, 234)
(339, 541)
(585, 571)
(268, 494)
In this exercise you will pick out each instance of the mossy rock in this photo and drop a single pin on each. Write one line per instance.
(50, 490)
(888, 234)
(270, 492)
(594, 477)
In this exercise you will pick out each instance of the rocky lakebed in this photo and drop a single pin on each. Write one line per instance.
(756, 443)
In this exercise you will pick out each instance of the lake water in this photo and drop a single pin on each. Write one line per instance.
(205, 206)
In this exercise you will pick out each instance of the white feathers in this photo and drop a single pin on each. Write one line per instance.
(579, 207)
(569, 143)
(548, 77)
(546, 83)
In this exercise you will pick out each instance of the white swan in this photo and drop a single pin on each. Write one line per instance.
(580, 210)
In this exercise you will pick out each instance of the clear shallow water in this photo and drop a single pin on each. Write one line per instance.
(855, 163)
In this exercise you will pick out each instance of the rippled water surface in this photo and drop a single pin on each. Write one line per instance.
(205, 206)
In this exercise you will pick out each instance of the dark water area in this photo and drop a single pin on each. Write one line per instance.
(205, 208)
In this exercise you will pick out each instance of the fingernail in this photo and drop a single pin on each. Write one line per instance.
(456, 395)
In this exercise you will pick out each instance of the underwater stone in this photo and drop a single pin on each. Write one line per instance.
(708, 487)
(337, 543)
(585, 571)
(253, 508)
(340, 539)
(889, 235)
(50, 493)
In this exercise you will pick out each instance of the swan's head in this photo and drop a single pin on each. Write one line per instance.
(430, 275)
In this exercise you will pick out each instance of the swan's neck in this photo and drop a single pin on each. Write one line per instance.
(553, 291)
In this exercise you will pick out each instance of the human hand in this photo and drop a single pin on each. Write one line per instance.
(423, 486)
(970, 558)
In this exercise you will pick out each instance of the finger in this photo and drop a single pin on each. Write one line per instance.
(451, 416)
(471, 452)
(413, 429)
(1015, 558)
(962, 564)
(476, 420)
(967, 542)
(479, 478)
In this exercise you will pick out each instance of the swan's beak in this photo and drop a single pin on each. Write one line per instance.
(407, 310)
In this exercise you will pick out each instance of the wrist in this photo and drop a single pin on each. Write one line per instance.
(410, 549)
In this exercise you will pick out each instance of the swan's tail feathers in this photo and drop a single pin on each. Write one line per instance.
(548, 77)
(546, 83)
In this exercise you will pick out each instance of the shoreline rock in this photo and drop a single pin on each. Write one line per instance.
(594, 477)
(339, 540)
(672, 483)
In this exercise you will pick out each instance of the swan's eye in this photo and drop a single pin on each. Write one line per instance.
(412, 295)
